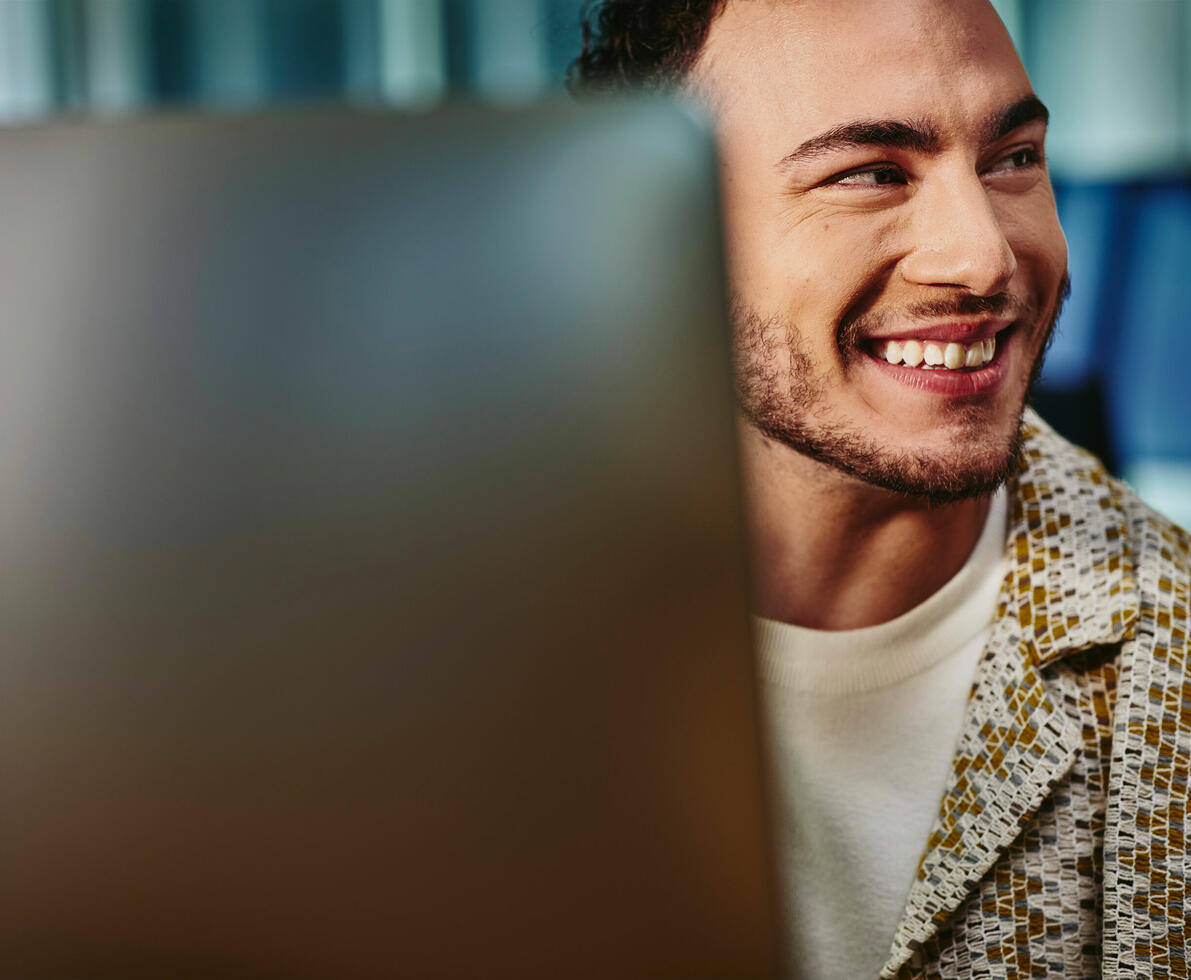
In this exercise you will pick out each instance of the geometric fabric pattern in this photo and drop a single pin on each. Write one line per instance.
(1059, 848)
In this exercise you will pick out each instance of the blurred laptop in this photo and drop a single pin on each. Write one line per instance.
(371, 592)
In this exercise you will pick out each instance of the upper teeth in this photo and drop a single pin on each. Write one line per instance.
(931, 354)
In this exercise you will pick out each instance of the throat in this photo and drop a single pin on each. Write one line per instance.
(842, 570)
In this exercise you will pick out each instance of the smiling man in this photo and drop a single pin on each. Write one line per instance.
(973, 642)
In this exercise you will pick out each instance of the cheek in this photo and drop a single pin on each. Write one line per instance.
(1058, 247)
(741, 253)
(1035, 235)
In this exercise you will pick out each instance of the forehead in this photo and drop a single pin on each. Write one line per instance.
(800, 66)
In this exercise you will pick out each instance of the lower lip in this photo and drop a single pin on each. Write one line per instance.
(954, 384)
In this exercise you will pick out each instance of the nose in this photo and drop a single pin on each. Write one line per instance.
(958, 240)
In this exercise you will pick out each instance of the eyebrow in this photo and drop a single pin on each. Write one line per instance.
(919, 136)
(1025, 110)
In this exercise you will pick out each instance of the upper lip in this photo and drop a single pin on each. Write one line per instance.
(954, 330)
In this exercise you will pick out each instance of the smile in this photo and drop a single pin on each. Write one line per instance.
(946, 364)
(933, 355)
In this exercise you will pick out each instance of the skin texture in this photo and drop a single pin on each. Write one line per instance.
(851, 469)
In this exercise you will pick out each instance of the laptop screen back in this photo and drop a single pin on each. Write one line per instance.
(372, 583)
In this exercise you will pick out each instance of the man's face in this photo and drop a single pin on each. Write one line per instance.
(886, 201)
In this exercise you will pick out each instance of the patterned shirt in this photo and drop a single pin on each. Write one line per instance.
(1059, 847)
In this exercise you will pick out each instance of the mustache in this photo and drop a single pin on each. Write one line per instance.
(962, 304)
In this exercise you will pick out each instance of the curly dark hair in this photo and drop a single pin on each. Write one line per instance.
(639, 44)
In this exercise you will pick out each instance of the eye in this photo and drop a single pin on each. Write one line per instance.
(1023, 158)
(875, 176)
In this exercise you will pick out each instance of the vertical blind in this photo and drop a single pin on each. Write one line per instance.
(118, 55)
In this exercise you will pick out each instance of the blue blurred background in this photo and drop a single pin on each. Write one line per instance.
(1115, 73)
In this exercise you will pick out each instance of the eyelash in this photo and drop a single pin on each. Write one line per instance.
(1031, 157)
(875, 171)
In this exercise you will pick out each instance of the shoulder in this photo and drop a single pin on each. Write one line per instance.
(1160, 553)
(1139, 704)
(1161, 549)
(1095, 555)
(1157, 548)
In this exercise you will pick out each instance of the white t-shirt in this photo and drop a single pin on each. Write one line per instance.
(862, 725)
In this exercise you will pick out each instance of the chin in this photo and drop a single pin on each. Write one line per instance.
(974, 463)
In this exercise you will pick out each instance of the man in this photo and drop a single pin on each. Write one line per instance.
(974, 642)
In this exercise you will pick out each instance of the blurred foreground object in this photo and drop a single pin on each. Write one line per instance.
(372, 595)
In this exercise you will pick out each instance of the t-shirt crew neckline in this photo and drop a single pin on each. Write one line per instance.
(873, 657)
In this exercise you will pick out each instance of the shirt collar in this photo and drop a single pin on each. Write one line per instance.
(1072, 584)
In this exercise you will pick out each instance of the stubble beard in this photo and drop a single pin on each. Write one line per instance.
(779, 391)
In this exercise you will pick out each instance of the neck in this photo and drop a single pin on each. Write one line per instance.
(832, 553)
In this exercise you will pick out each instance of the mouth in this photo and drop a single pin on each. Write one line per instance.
(934, 355)
(947, 362)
